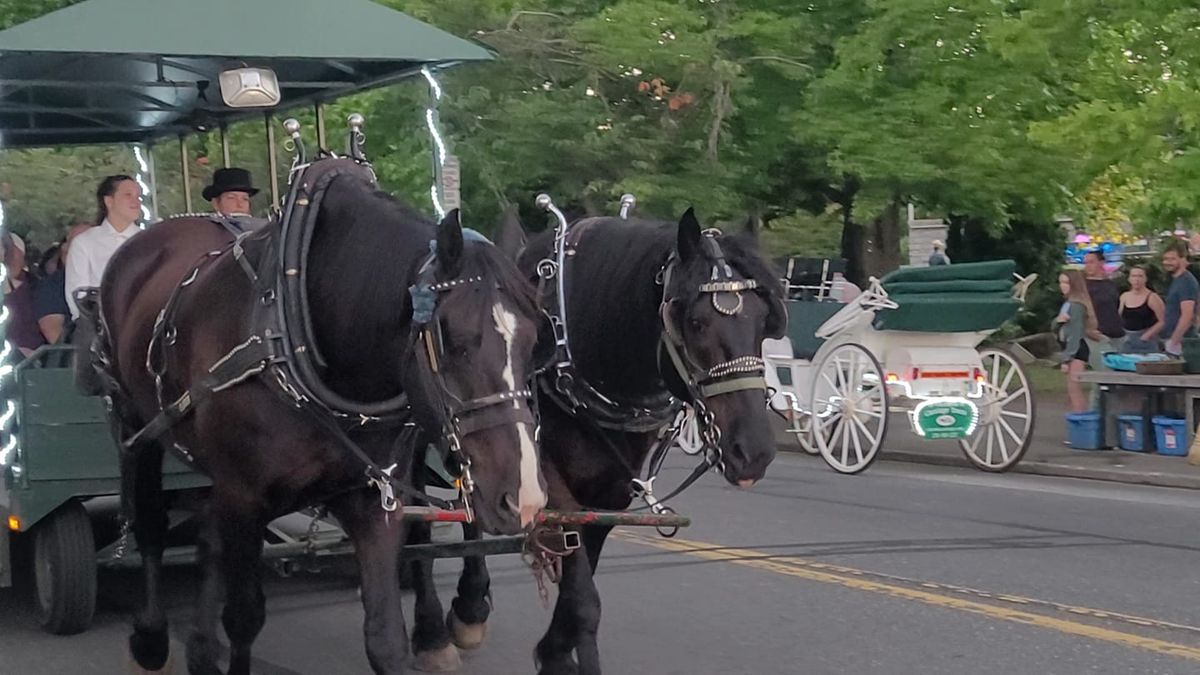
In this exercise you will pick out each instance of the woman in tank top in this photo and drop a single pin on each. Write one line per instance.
(1141, 314)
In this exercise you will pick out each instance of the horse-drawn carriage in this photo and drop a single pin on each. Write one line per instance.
(911, 339)
(232, 379)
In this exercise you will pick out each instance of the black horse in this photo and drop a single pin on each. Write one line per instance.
(454, 331)
(634, 287)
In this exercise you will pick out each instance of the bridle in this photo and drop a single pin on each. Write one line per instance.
(457, 417)
(703, 383)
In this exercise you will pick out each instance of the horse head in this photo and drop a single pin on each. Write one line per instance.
(475, 326)
(720, 300)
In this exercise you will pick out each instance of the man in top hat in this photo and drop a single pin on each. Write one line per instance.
(230, 192)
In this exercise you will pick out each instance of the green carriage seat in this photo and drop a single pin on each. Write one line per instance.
(804, 318)
(960, 298)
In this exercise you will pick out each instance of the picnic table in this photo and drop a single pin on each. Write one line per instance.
(1153, 388)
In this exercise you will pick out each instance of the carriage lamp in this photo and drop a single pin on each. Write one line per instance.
(249, 87)
(14, 523)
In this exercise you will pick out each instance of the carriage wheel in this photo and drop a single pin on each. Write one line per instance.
(64, 570)
(1006, 414)
(802, 428)
(849, 408)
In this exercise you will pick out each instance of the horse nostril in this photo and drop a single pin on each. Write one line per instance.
(511, 503)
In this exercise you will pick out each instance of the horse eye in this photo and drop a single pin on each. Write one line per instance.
(697, 324)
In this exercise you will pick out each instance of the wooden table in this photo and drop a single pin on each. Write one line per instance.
(1156, 386)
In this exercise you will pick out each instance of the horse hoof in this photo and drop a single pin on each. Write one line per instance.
(166, 668)
(444, 660)
(466, 635)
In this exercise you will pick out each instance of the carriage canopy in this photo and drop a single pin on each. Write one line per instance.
(112, 71)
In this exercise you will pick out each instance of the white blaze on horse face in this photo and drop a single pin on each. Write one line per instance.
(531, 498)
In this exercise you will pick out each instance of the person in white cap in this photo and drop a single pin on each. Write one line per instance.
(938, 257)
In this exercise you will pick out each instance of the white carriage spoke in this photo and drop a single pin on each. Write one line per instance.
(1011, 432)
(995, 368)
(1013, 413)
(1014, 396)
(857, 445)
(866, 432)
(832, 385)
(846, 443)
(1008, 378)
(990, 436)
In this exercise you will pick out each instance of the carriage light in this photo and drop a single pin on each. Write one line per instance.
(979, 376)
(892, 377)
(14, 523)
(249, 88)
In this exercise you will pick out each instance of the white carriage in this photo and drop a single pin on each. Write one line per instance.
(910, 343)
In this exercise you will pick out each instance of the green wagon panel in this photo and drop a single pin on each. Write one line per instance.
(50, 397)
(996, 286)
(804, 318)
(947, 313)
(991, 270)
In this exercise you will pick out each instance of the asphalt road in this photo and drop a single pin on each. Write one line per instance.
(906, 569)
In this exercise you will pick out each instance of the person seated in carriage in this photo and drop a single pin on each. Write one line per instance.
(119, 205)
(22, 328)
(49, 295)
(230, 195)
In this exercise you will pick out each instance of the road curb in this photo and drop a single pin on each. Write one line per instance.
(1152, 478)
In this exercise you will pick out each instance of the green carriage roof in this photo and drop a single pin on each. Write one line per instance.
(106, 71)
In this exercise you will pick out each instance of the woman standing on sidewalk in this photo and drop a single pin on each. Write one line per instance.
(1075, 324)
(1142, 314)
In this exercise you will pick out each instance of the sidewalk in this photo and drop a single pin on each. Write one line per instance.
(1046, 456)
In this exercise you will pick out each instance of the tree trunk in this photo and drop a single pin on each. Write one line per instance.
(881, 246)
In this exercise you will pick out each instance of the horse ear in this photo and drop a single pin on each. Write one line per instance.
(688, 243)
(751, 227)
(510, 234)
(450, 243)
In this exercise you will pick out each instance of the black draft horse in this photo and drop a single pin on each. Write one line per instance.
(268, 456)
(625, 279)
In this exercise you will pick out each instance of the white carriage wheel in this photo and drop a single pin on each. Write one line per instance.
(1006, 414)
(849, 409)
(803, 430)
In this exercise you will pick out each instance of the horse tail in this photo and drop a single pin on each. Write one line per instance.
(91, 354)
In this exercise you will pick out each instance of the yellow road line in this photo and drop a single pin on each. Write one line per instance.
(846, 579)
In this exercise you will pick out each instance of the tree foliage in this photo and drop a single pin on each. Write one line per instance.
(821, 119)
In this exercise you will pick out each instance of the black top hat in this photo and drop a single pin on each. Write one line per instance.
(229, 180)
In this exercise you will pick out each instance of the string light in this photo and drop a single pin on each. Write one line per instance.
(7, 370)
(431, 121)
(143, 169)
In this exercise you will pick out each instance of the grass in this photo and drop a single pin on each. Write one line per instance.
(1047, 381)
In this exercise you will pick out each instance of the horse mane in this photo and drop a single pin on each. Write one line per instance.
(366, 252)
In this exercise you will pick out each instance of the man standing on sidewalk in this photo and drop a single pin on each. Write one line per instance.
(1181, 298)
(1106, 299)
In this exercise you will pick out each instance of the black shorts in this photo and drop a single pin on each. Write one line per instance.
(1083, 354)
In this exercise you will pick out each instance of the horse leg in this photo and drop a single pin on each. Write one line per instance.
(576, 619)
(141, 469)
(431, 638)
(377, 536)
(241, 526)
(203, 649)
(471, 607)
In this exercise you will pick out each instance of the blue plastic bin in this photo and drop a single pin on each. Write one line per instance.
(1172, 436)
(1083, 430)
(1131, 430)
